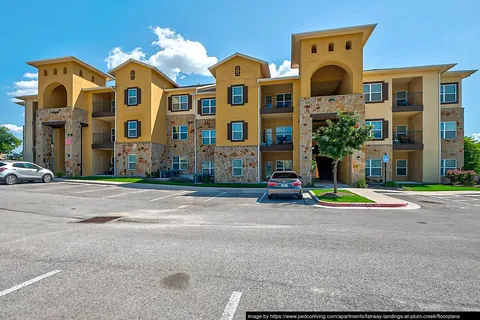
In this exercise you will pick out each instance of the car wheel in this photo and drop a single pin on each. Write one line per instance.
(300, 196)
(47, 178)
(270, 196)
(11, 179)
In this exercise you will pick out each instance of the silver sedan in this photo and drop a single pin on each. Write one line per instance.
(285, 183)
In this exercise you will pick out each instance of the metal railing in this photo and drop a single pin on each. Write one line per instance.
(103, 138)
(285, 104)
(280, 139)
(408, 137)
(408, 99)
(104, 106)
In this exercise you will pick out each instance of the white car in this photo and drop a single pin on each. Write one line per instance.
(12, 172)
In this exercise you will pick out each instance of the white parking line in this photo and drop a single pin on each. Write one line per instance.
(218, 195)
(124, 194)
(29, 282)
(171, 195)
(231, 307)
(85, 191)
(184, 206)
(56, 188)
(457, 201)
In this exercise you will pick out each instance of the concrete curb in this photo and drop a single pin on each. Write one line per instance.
(356, 204)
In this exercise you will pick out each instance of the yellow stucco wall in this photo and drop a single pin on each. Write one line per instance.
(159, 108)
(431, 127)
(273, 157)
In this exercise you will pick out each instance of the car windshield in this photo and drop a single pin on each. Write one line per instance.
(284, 175)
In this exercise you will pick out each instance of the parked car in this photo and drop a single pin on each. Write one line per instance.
(285, 183)
(12, 172)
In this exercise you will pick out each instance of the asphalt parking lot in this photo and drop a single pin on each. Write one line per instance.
(215, 254)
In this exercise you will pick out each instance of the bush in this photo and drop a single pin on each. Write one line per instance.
(206, 178)
(59, 174)
(466, 178)
(391, 184)
(361, 183)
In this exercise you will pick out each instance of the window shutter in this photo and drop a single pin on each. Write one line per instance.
(245, 131)
(199, 107)
(229, 131)
(139, 95)
(229, 95)
(125, 129)
(385, 129)
(169, 103)
(125, 97)
(139, 128)
(385, 91)
(245, 94)
(189, 102)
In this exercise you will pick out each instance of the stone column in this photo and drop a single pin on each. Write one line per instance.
(305, 141)
(43, 145)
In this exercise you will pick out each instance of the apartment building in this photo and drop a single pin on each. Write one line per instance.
(247, 124)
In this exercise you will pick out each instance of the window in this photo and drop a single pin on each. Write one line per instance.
(237, 71)
(237, 94)
(179, 163)
(283, 135)
(132, 129)
(401, 98)
(448, 130)
(237, 168)
(237, 131)
(373, 167)
(284, 100)
(45, 73)
(132, 75)
(401, 167)
(80, 73)
(32, 166)
(448, 93)
(348, 45)
(93, 78)
(372, 92)
(132, 96)
(64, 70)
(314, 48)
(447, 164)
(180, 133)
(284, 165)
(132, 162)
(179, 103)
(268, 101)
(377, 129)
(208, 137)
(331, 47)
(401, 130)
(18, 165)
(208, 167)
(209, 106)
(284, 175)
(54, 71)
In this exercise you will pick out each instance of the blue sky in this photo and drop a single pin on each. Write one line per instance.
(408, 33)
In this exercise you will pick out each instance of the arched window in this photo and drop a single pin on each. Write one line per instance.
(348, 45)
(93, 78)
(54, 71)
(80, 73)
(132, 75)
(330, 47)
(45, 73)
(65, 70)
(237, 71)
(314, 48)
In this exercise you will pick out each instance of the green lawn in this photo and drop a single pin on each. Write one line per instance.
(348, 197)
(174, 183)
(437, 187)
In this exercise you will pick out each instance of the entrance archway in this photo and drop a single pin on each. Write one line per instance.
(330, 80)
(55, 96)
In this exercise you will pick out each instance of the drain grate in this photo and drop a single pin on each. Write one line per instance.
(432, 202)
(99, 219)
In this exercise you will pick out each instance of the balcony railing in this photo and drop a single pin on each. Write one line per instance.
(102, 140)
(408, 101)
(280, 107)
(409, 140)
(282, 143)
(103, 108)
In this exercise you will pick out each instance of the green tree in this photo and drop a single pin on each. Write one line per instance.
(8, 142)
(472, 154)
(341, 138)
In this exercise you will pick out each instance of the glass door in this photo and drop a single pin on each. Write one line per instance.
(268, 136)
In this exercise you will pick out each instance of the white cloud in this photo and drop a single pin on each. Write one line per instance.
(24, 87)
(13, 128)
(283, 70)
(175, 55)
(476, 136)
(31, 75)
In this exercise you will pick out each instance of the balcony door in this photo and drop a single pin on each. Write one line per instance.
(269, 136)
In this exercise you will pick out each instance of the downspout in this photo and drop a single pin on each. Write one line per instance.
(439, 134)
(116, 133)
(259, 164)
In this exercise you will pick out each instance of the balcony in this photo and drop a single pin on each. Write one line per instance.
(279, 108)
(408, 141)
(407, 102)
(282, 143)
(103, 109)
(103, 141)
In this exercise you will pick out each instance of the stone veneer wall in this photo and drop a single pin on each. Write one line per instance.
(329, 104)
(205, 152)
(184, 148)
(74, 119)
(223, 163)
(375, 151)
(453, 148)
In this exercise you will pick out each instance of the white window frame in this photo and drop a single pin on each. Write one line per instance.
(397, 167)
(237, 95)
(180, 105)
(210, 135)
(209, 166)
(369, 168)
(285, 165)
(443, 130)
(443, 169)
(443, 94)
(129, 130)
(402, 99)
(237, 167)
(132, 162)
(181, 162)
(373, 130)
(282, 131)
(209, 106)
(284, 101)
(179, 132)
(234, 131)
(132, 97)
(368, 93)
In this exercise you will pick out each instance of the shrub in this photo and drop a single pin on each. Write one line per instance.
(391, 184)
(467, 178)
(59, 174)
(206, 178)
(361, 183)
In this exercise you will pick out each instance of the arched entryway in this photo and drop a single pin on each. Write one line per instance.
(331, 80)
(55, 96)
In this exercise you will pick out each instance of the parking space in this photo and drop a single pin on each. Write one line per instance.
(458, 200)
